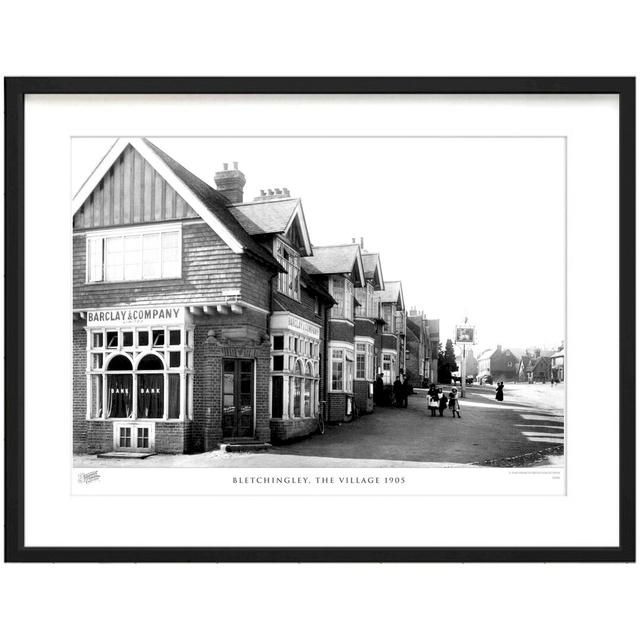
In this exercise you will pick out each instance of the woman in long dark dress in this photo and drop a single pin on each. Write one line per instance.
(500, 391)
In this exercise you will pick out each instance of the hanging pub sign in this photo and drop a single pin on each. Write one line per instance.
(135, 316)
(465, 334)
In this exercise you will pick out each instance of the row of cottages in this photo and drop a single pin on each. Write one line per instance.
(199, 318)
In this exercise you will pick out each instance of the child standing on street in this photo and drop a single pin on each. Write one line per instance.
(454, 405)
(433, 404)
(442, 402)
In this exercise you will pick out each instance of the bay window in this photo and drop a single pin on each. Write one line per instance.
(342, 369)
(364, 361)
(128, 378)
(295, 367)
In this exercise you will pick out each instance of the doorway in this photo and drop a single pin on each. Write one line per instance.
(237, 398)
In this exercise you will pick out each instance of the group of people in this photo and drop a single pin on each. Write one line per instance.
(401, 391)
(438, 401)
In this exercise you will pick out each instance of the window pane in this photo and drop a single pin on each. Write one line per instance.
(143, 338)
(336, 376)
(297, 391)
(307, 398)
(127, 339)
(158, 337)
(174, 359)
(96, 361)
(151, 256)
(278, 363)
(170, 255)
(98, 338)
(276, 396)
(132, 258)
(174, 336)
(119, 395)
(278, 343)
(113, 259)
(95, 259)
(96, 396)
(112, 339)
(150, 395)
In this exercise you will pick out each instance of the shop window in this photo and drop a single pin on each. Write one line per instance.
(278, 343)
(96, 360)
(174, 359)
(112, 339)
(174, 396)
(119, 388)
(96, 397)
(278, 363)
(143, 338)
(98, 339)
(134, 256)
(174, 337)
(127, 338)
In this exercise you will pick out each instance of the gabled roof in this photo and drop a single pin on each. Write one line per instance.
(558, 354)
(208, 203)
(373, 269)
(271, 217)
(392, 293)
(335, 259)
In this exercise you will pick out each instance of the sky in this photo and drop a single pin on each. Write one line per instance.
(473, 227)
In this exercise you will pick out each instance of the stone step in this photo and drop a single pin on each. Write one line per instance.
(125, 454)
(245, 447)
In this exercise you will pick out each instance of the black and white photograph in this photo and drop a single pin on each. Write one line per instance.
(327, 302)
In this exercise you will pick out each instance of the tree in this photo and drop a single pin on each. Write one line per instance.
(446, 362)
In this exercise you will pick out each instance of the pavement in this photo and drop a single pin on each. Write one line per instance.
(526, 428)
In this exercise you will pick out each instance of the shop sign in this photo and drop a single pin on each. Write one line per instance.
(286, 321)
(135, 316)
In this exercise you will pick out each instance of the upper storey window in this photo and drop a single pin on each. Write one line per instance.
(289, 282)
(341, 290)
(149, 254)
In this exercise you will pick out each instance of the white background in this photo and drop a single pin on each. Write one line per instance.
(489, 38)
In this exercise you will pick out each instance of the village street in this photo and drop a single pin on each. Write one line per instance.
(528, 421)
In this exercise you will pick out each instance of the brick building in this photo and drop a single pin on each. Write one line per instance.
(339, 269)
(393, 337)
(174, 305)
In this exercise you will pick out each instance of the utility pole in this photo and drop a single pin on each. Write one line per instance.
(463, 370)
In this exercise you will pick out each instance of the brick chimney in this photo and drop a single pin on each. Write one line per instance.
(230, 182)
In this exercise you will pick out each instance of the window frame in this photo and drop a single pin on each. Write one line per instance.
(292, 264)
(101, 237)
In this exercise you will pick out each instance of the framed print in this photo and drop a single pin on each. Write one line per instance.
(320, 319)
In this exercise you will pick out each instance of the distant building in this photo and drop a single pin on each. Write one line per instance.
(423, 338)
(499, 364)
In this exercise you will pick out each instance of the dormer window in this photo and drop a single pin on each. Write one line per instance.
(289, 282)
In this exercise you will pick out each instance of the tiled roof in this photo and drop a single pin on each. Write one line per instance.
(330, 260)
(272, 216)
(370, 262)
(391, 291)
(217, 204)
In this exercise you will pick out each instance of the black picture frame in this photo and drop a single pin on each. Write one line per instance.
(15, 91)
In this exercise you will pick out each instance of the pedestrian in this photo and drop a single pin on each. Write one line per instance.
(378, 392)
(397, 392)
(500, 391)
(405, 393)
(442, 402)
(432, 401)
(454, 404)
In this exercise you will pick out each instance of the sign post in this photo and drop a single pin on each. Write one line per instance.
(465, 334)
